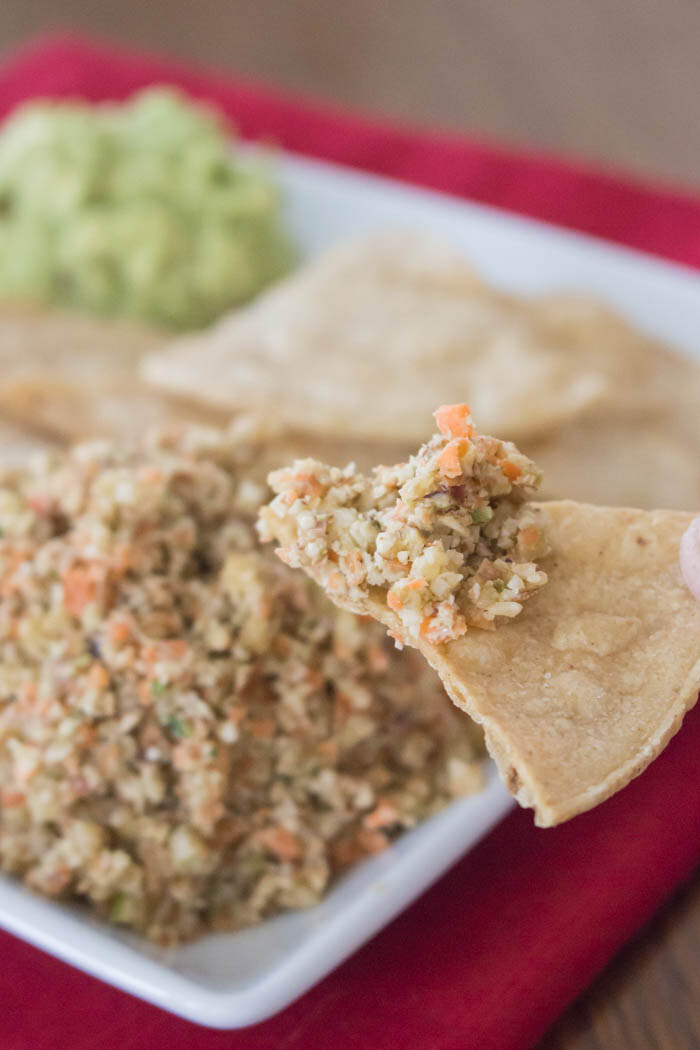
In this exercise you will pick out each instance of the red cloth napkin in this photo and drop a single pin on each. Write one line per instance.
(492, 954)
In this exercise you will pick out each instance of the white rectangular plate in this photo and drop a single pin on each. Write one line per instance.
(232, 980)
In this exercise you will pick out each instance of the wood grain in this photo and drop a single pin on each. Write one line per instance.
(615, 81)
(612, 80)
(649, 997)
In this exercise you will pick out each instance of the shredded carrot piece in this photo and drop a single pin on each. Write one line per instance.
(175, 649)
(119, 632)
(40, 504)
(79, 589)
(529, 537)
(454, 421)
(415, 584)
(11, 797)
(425, 627)
(145, 692)
(302, 484)
(123, 557)
(383, 816)
(97, 676)
(334, 581)
(393, 600)
(354, 567)
(511, 470)
(279, 841)
(149, 653)
(449, 463)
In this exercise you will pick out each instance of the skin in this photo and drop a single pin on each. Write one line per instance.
(690, 557)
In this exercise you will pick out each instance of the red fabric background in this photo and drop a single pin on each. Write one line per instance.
(490, 956)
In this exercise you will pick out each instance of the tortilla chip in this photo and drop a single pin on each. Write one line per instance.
(642, 447)
(642, 375)
(614, 459)
(581, 691)
(369, 338)
(59, 371)
(75, 347)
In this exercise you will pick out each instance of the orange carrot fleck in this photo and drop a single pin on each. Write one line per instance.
(449, 463)
(119, 631)
(11, 798)
(175, 649)
(145, 692)
(279, 841)
(511, 470)
(425, 627)
(149, 653)
(393, 600)
(79, 589)
(353, 566)
(529, 537)
(97, 676)
(383, 816)
(454, 421)
(334, 581)
(415, 584)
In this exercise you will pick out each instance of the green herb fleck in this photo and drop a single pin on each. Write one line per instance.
(178, 727)
(119, 908)
(213, 752)
(499, 585)
(480, 515)
(158, 688)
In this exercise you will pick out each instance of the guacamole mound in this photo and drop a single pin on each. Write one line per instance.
(138, 210)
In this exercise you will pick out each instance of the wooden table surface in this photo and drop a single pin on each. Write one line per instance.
(615, 81)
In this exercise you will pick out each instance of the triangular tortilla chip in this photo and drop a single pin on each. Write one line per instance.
(368, 338)
(581, 691)
(67, 376)
(641, 447)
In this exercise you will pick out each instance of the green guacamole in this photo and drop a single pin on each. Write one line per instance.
(138, 210)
